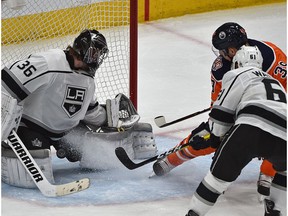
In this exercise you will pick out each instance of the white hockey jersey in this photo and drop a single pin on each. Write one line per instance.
(250, 96)
(54, 96)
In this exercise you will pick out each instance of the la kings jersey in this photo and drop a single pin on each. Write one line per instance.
(55, 97)
(250, 96)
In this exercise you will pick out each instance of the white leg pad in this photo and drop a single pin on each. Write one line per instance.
(13, 172)
(97, 149)
(11, 114)
(143, 141)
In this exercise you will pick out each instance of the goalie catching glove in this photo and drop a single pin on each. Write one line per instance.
(121, 113)
(201, 138)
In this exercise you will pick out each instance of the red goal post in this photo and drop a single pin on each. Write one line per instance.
(39, 25)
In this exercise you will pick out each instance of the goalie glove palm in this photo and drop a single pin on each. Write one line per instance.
(121, 113)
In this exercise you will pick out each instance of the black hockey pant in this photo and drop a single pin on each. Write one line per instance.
(244, 143)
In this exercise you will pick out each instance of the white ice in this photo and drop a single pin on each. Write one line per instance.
(175, 58)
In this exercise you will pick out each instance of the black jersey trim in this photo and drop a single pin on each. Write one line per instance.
(222, 116)
(280, 180)
(42, 74)
(207, 194)
(12, 84)
(40, 129)
(91, 107)
(263, 113)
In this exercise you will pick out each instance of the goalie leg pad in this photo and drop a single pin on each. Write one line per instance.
(97, 149)
(11, 114)
(13, 173)
(144, 145)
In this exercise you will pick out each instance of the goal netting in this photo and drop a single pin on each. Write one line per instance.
(44, 24)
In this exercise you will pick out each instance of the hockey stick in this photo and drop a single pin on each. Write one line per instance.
(127, 162)
(161, 122)
(46, 188)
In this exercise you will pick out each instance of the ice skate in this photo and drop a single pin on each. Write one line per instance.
(263, 186)
(162, 166)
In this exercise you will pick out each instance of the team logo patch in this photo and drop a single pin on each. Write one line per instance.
(217, 64)
(222, 35)
(73, 101)
(37, 143)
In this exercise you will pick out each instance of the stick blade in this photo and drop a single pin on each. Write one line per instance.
(160, 121)
(72, 187)
(124, 158)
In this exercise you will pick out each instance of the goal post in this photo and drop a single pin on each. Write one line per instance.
(40, 25)
(134, 52)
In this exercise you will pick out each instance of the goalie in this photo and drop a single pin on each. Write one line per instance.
(56, 89)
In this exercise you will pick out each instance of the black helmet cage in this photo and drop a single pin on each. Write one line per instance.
(229, 35)
(91, 46)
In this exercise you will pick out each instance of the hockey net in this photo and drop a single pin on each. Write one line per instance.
(40, 25)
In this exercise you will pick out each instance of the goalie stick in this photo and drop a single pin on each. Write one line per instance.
(127, 162)
(46, 188)
(161, 122)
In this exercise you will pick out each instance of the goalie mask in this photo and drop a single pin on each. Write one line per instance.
(247, 56)
(229, 35)
(91, 46)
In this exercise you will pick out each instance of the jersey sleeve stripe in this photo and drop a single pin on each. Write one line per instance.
(265, 114)
(92, 107)
(25, 83)
(12, 84)
(222, 115)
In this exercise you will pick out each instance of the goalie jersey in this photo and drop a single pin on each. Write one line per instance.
(55, 97)
(249, 96)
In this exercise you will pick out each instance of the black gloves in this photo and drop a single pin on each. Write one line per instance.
(201, 137)
(201, 128)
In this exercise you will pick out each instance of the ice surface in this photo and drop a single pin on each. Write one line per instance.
(174, 62)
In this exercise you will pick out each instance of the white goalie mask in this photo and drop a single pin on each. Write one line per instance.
(247, 56)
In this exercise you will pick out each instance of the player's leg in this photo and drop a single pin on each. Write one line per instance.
(267, 173)
(166, 164)
(276, 204)
(234, 153)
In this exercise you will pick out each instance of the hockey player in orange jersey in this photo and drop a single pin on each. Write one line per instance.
(226, 40)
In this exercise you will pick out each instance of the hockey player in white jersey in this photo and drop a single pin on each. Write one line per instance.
(248, 120)
(56, 89)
